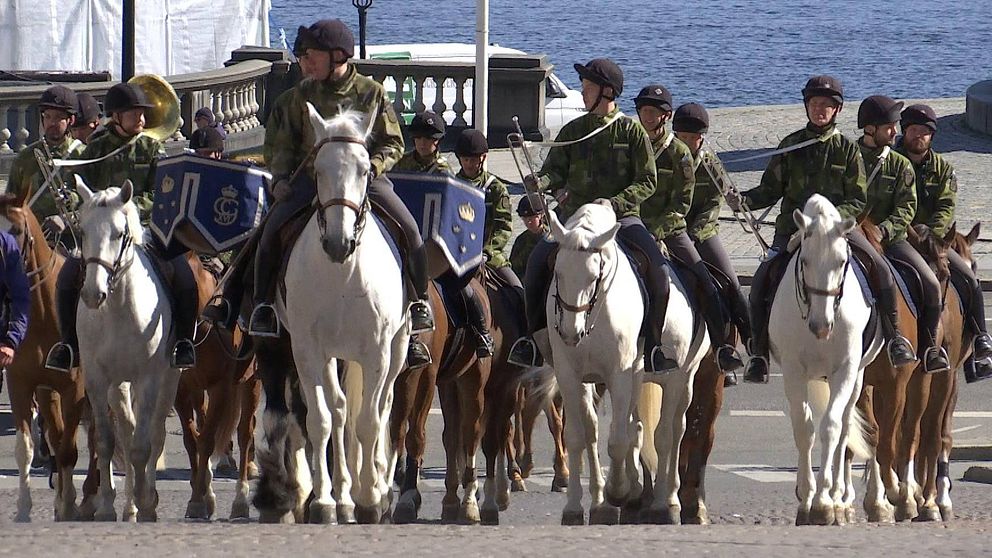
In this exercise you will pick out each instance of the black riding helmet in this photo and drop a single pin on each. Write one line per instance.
(331, 35)
(604, 72)
(427, 124)
(58, 97)
(654, 95)
(692, 118)
(878, 110)
(87, 111)
(824, 86)
(919, 114)
(471, 143)
(125, 96)
(529, 205)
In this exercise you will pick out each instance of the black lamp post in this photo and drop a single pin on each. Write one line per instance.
(127, 50)
(363, 8)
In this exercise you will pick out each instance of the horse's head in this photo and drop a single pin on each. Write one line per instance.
(13, 218)
(586, 260)
(342, 173)
(109, 228)
(934, 249)
(823, 260)
(962, 244)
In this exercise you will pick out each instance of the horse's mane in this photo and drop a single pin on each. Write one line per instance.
(931, 247)
(346, 123)
(110, 197)
(585, 225)
(822, 213)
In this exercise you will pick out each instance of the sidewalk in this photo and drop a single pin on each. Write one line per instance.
(740, 132)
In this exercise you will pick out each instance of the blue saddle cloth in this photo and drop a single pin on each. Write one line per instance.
(909, 294)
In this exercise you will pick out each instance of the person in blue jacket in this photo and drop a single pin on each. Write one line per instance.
(16, 298)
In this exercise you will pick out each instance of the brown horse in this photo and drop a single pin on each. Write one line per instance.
(60, 397)
(520, 450)
(213, 399)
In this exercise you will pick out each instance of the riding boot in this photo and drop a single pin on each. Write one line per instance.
(184, 352)
(223, 309)
(934, 356)
(716, 325)
(484, 344)
(524, 351)
(418, 354)
(899, 349)
(757, 366)
(64, 355)
(983, 346)
(977, 370)
(421, 318)
(659, 290)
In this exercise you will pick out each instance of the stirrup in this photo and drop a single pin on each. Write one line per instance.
(668, 365)
(217, 311)
(981, 336)
(191, 362)
(889, 347)
(734, 354)
(425, 308)
(982, 371)
(254, 325)
(52, 364)
(418, 349)
(750, 378)
(519, 346)
(484, 344)
(942, 353)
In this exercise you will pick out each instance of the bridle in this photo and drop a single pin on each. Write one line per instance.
(361, 209)
(36, 276)
(804, 290)
(116, 268)
(601, 286)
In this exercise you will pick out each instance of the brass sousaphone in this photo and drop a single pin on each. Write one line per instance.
(162, 120)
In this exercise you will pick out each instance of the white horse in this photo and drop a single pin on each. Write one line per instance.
(125, 339)
(345, 303)
(817, 320)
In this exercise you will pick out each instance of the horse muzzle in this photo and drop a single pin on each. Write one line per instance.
(93, 298)
(821, 330)
(572, 339)
(338, 249)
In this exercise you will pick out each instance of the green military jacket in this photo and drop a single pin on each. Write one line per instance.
(289, 136)
(891, 193)
(499, 218)
(703, 220)
(616, 163)
(412, 162)
(936, 193)
(520, 253)
(664, 212)
(26, 176)
(832, 168)
(135, 162)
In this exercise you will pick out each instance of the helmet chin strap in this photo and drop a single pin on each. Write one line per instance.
(599, 99)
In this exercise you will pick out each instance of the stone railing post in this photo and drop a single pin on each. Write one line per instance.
(516, 88)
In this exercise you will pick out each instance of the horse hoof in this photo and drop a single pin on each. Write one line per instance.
(573, 518)
(802, 517)
(517, 485)
(840, 516)
(449, 513)
(821, 515)
(321, 514)
(469, 514)
(197, 510)
(147, 517)
(367, 515)
(405, 512)
(630, 514)
(880, 514)
(253, 473)
(906, 512)
(105, 516)
(87, 510)
(490, 516)
(526, 465)
(502, 500)
(698, 518)
(851, 515)
(661, 516)
(23, 518)
(269, 516)
(946, 513)
(239, 510)
(604, 515)
(927, 515)
(346, 514)
(559, 484)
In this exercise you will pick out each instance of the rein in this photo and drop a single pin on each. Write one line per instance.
(36, 277)
(601, 287)
(804, 290)
(118, 266)
(361, 209)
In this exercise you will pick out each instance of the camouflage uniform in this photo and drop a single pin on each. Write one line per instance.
(135, 162)
(702, 221)
(26, 176)
(411, 162)
(520, 253)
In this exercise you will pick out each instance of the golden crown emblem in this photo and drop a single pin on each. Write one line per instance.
(229, 192)
(466, 212)
(167, 184)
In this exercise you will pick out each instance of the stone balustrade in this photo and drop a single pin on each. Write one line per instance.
(978, 107)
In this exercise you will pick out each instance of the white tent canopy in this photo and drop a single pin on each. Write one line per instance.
(171, 36)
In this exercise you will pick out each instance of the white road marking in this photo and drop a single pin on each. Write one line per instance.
(965, 429)
(739, 413)
(973, 414)
(761, 473)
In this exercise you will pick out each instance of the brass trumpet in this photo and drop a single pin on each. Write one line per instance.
(162, 120)
(60, 191)
(746, 218)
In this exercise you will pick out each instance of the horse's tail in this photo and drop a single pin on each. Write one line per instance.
(860, 431)
(649, 413)
(353, 387)
(540, 384)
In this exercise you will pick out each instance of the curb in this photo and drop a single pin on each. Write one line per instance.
(973, 453)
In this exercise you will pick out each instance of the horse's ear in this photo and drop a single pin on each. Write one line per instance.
(83, 190)
(802, 221)
(846, 226)
(127, 191)
(950, 235)
(370, 120)
(973, 234)
(317, 121)
(558, 231)
(602, 240)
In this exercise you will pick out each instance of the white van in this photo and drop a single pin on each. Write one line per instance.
(561, 103)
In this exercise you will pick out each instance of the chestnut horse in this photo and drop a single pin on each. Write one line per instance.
(61, 397)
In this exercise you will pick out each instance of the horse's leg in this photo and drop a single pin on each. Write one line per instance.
(932, 442)
(573, 397)
(105, 440)
(497, 444)
(222, 412)
(87, 508)
(408, 504)
(416, 436)
(471, 398)
(947, 441)
(376, 373)
(556, 425)
(21, 398)
(918, 393)
(250, 396)
(528, 416)
(315, 376)
(623, 395)
(889, 399)
(803, 434)
(451, 438)
(843, 391)
(697, 443)
(191, 434)
(157, 397)
(876, 506)
(67, 453)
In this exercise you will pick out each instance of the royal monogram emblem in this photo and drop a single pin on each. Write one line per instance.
(466, 212)
(226, 206)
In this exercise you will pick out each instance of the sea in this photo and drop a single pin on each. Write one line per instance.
(720, 52)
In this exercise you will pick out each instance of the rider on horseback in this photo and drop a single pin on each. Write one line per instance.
(936, 191)
(427, 130)
(333, 85)
(817, 160)
(892, 206)
(690, 123)
(665, 214)
(126, 104)
(608, 159)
